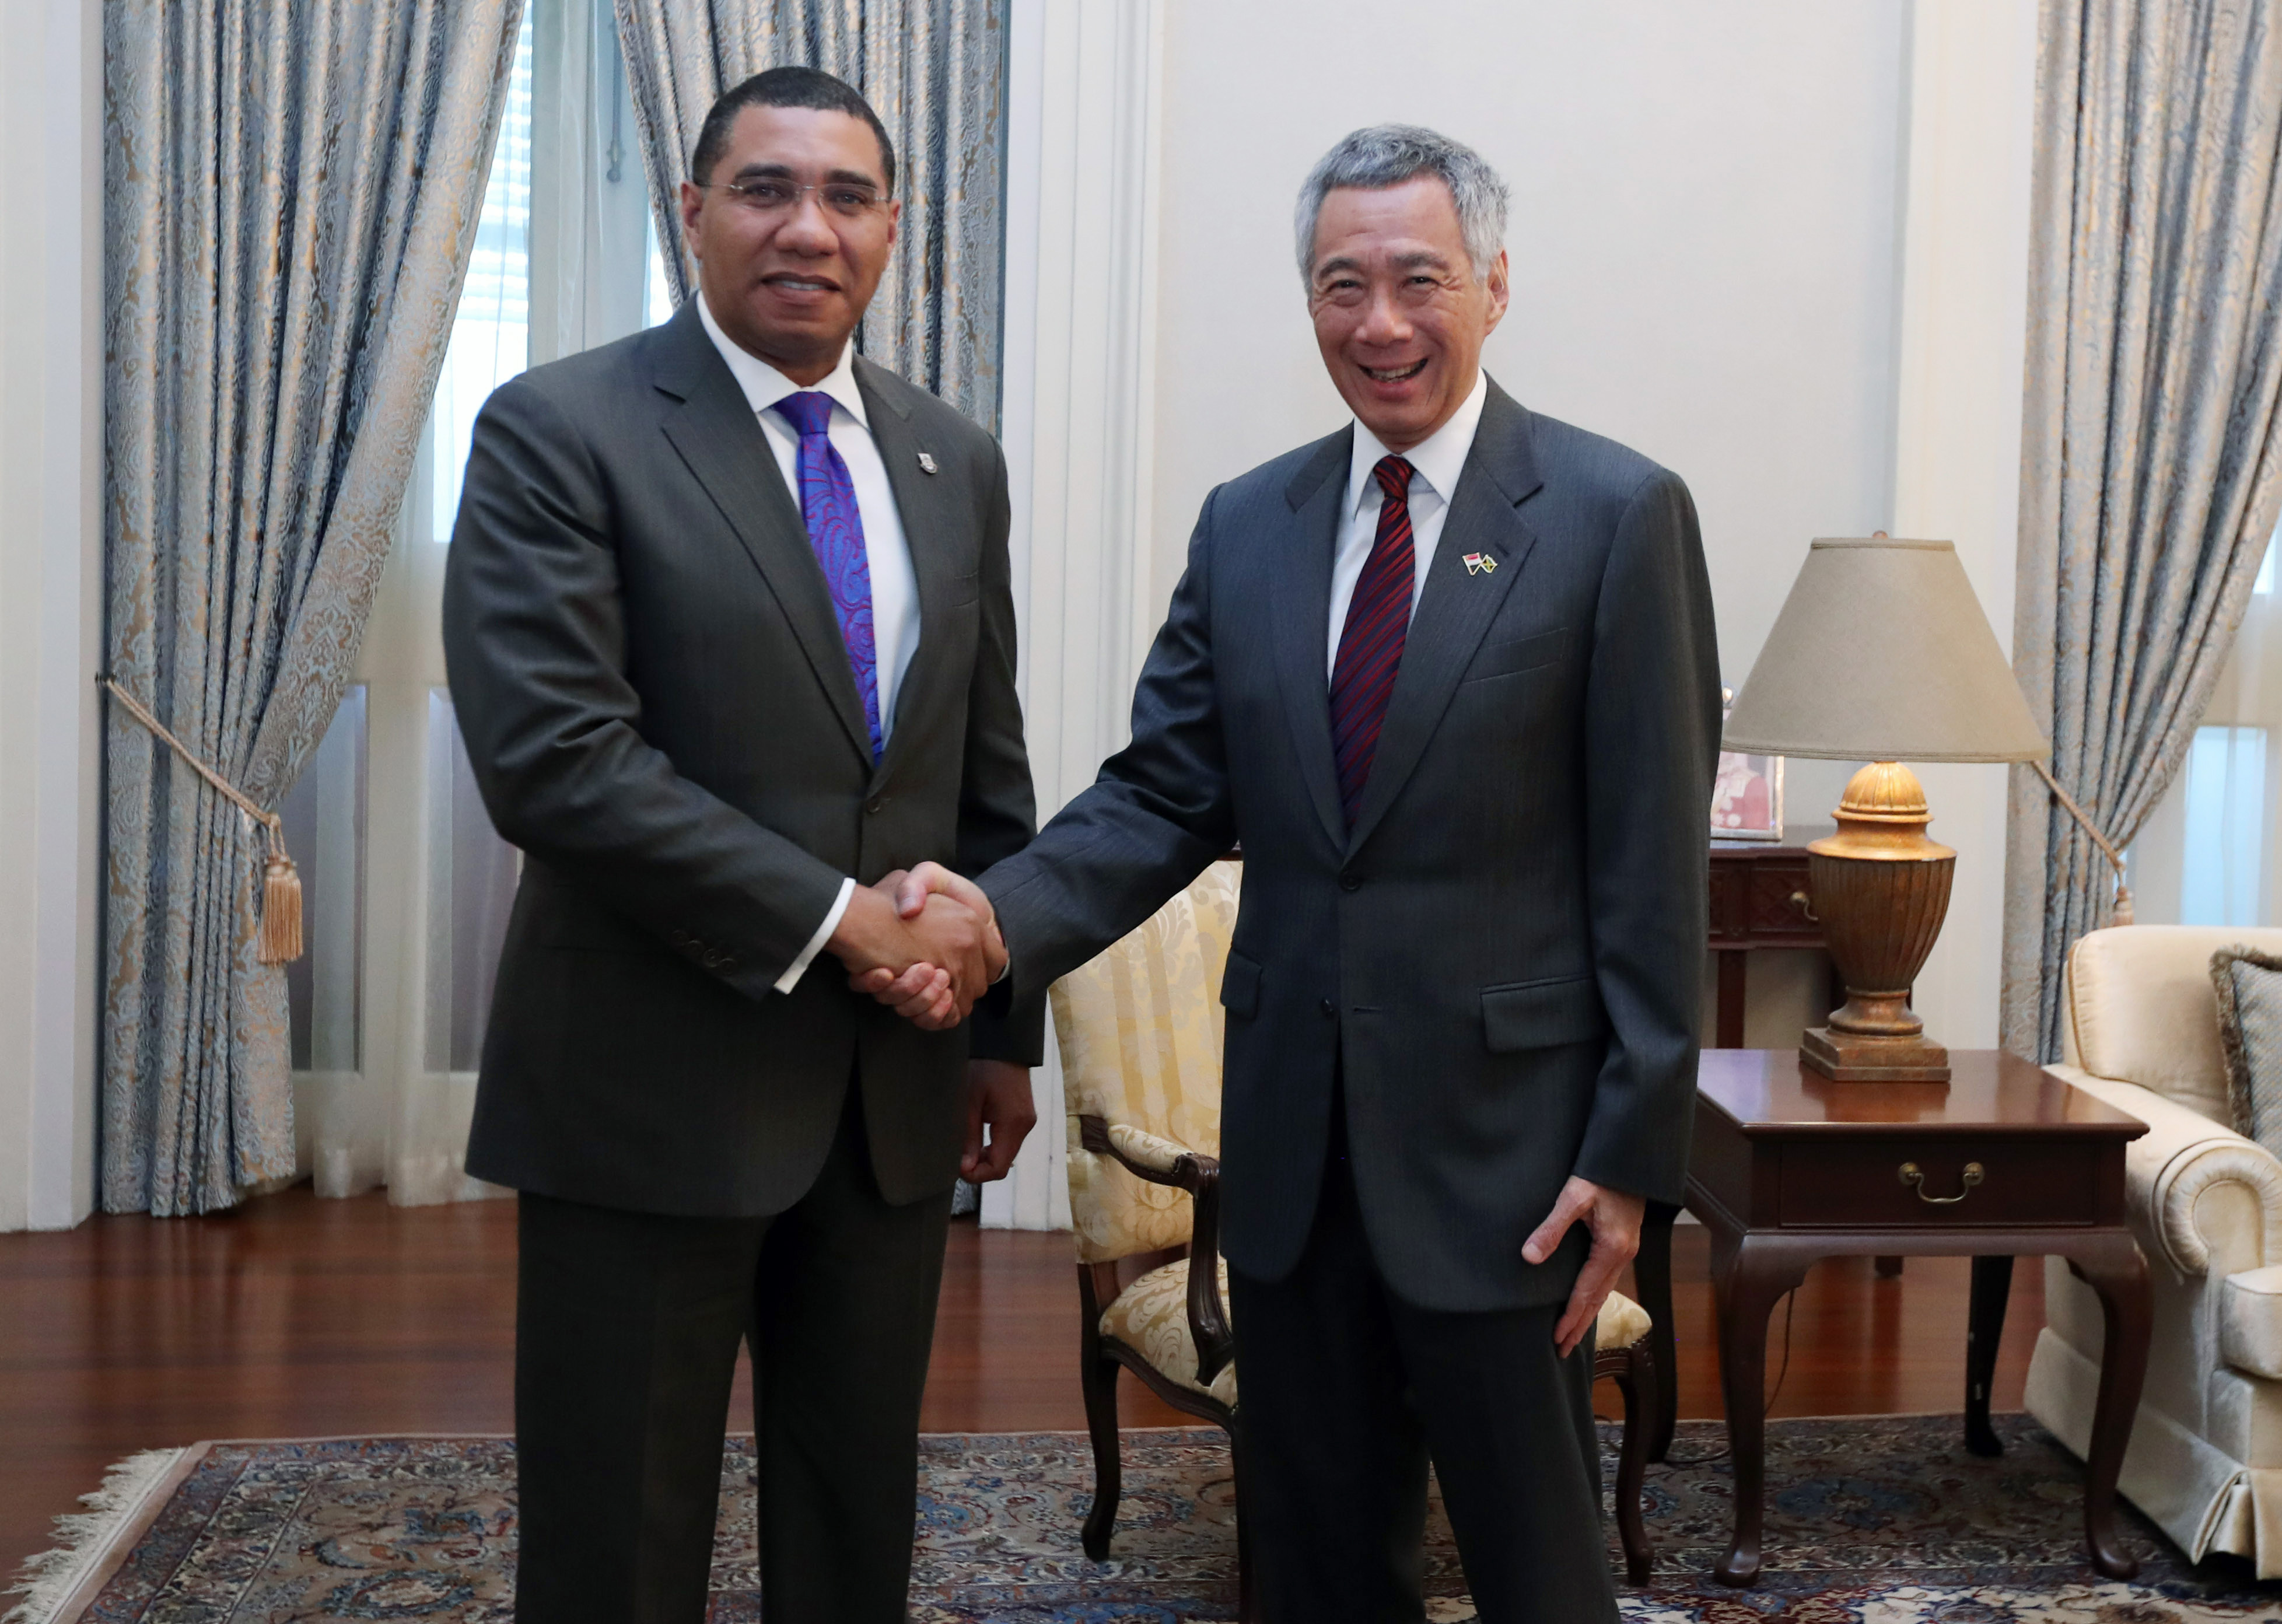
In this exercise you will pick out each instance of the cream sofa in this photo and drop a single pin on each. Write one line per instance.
(2141, 1031)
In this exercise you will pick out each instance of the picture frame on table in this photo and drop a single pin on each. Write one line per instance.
(1746, 793)
(1747, 797)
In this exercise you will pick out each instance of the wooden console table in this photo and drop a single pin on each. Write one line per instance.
(1756, 890)
(2003, 1160)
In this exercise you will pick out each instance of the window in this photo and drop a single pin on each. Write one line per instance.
(325, 831)
(2226, 814)
(406, 885)
(491, 333)
(2206, 854)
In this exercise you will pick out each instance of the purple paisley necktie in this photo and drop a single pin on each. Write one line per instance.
(835, 529)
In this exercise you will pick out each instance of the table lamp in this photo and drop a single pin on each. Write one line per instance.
(1882, 652)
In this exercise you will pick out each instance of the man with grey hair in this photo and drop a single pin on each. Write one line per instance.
(1449, 675)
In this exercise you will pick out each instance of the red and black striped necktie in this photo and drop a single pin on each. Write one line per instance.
(1370, 646)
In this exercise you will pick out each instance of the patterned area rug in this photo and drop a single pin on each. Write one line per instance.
(1881, 1520)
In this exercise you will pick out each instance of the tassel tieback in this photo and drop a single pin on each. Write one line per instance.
(280, 928)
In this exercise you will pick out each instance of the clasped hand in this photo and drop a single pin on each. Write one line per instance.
(924, 942)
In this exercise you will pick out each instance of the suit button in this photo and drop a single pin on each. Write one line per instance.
(875, 805)
(712, 960)
(1329, 1008)
(680, 938)
(1350, 882)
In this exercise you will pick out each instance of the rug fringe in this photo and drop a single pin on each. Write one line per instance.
(49, 1579)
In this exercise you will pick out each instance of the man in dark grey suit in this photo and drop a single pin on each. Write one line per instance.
(731, 639)
(1449, 675)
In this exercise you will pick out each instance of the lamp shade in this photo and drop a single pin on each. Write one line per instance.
(1882, 654)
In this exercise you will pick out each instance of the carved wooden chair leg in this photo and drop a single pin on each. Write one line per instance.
(1636, 1380)
(1097, 1379)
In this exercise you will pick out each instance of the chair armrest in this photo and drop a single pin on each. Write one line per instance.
(1160, 1162)
(2182, 1159)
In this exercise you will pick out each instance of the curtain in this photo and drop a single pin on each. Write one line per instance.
(290, 192)
(2152, 455)
(935, 70)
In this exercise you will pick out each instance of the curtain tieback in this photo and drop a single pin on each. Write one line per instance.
(281, 881)
(2121, 914)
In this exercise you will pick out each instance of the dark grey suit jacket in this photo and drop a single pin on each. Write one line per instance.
(659, 710)
(1504, 954)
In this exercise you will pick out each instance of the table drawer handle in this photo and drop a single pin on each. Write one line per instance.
(1913, 1176)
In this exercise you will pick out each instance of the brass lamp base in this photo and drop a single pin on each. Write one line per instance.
(1880, 890)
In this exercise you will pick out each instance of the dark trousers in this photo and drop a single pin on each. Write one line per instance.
(1348, 1390)
(626, 1333)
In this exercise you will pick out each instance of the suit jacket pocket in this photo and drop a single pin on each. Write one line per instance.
(965, 588)
(1522, 654)
(1240, 986)
(1537, 1015)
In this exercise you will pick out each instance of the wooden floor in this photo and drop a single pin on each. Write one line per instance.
(297, 1317)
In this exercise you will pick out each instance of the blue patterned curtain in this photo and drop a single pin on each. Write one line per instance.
(2152, 450)
(935, 70)
(291, 190)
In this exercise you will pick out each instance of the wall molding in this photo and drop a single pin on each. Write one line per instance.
(1085, 113)
(1960, 355)
(50, 608)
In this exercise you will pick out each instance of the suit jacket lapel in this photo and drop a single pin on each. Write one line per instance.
(1301, 612)
(926, 529)
(721, 441)
(1458, 604)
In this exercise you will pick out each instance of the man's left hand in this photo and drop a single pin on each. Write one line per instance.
(998, 1098)
(1614, 1219)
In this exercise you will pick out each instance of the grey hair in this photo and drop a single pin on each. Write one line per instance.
(1389, 154)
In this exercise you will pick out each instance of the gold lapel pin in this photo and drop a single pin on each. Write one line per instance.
(1479, 564)
(927, 463)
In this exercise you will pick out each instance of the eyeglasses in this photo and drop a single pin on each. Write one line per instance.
(773, 196)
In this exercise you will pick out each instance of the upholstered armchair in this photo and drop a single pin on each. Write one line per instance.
(2141, 1031)
(1140, 1030)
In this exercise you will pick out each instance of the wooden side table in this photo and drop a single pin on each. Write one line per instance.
(2005, 1160)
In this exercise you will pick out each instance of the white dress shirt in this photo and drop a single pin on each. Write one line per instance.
(887, 551)
(1436, 462)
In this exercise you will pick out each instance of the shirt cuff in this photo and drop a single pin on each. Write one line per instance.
(798, 967)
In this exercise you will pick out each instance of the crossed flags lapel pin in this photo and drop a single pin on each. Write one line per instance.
(1479, 564)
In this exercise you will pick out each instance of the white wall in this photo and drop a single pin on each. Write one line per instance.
(1780, 245)
(1962, 343)
(1703, 243)
(50, 617)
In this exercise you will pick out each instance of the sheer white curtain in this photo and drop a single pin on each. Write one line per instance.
(406, 885)
(2211, 852)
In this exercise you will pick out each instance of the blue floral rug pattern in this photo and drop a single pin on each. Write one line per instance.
(1870, 1521)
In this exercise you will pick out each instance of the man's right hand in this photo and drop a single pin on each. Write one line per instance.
(915, 993)
(941, 954)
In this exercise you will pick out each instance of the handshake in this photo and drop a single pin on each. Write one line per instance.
(924, 942)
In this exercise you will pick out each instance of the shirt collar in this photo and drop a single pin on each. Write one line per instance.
(764, 385)
(1438, 459)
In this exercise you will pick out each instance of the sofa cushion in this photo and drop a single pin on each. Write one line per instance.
(2140, 1007)
(2249, 988)
(2250, 1321)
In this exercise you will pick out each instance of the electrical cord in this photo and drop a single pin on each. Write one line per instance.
(1783, 1372)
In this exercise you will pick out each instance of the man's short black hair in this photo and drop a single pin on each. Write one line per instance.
(786, 87)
